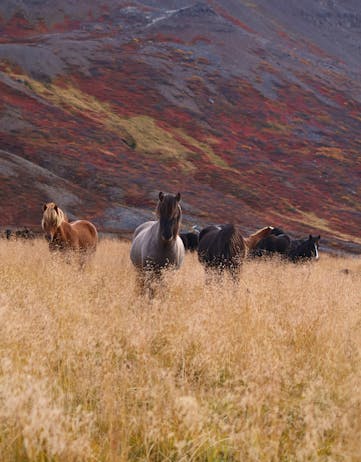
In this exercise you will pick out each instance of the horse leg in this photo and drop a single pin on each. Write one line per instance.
(82, 260)
(234, 272)
(214, 274)
(141, 282)
(146, 281)
(84, 256)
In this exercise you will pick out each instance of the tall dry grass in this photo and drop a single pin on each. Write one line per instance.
(90, 371)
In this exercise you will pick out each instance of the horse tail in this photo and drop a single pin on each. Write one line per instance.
(238, 245)
(234, 244)
(227, 233)
(252, 240)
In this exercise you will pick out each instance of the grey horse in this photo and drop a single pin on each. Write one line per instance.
(156, 245)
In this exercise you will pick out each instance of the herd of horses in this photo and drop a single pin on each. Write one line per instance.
(158, 244)
(277, 242)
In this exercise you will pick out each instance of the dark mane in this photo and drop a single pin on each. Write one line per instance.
(170, 214)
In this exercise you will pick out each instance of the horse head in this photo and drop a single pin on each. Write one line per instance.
(313, 243)
(305, 249)
(53, 217)
(169, 213)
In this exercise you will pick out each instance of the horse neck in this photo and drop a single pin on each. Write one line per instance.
(158, 233)
(254, 239)
(63, 229)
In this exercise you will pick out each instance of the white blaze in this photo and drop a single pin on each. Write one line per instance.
(317, 256)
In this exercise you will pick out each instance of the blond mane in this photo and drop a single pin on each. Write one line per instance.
(252, 240)
(52, 215)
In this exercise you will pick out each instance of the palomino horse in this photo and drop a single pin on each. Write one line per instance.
(224, 248)
(79, 236)
(156, 244)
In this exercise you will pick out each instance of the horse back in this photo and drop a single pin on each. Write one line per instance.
(220, 246)
(143, 227)
(275, 243)
(83, 234)
(208, 229)
(207, 240)
(142, 243)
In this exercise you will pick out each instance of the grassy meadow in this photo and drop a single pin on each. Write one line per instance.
(269, 370)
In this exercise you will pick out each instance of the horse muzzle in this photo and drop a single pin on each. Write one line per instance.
(49, 237)
(167, 237)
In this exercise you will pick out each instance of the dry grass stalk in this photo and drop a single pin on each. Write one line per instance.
(268, 370)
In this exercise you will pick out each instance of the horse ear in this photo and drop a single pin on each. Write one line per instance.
(178, 197)
(310, 237)
(161, 196)
(56, 208)
(318, 237)
(44, 207)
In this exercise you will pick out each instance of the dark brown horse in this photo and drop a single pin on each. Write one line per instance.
(224, 248)
(79, 237)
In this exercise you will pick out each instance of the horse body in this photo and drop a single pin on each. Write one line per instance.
(224, 248)
(149, 251)
(79, 236)
(156, 245)
(221, 247)
(273, 244)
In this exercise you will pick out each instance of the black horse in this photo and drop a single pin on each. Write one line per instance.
(276, 243)
(190, 240)
(223, 247)
(279, 243)
(304, 249)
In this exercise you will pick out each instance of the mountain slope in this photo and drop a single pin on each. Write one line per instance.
(250, 108)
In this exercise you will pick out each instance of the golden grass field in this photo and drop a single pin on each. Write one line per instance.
(91, 371)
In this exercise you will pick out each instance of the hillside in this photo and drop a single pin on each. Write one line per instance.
(250, 108)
